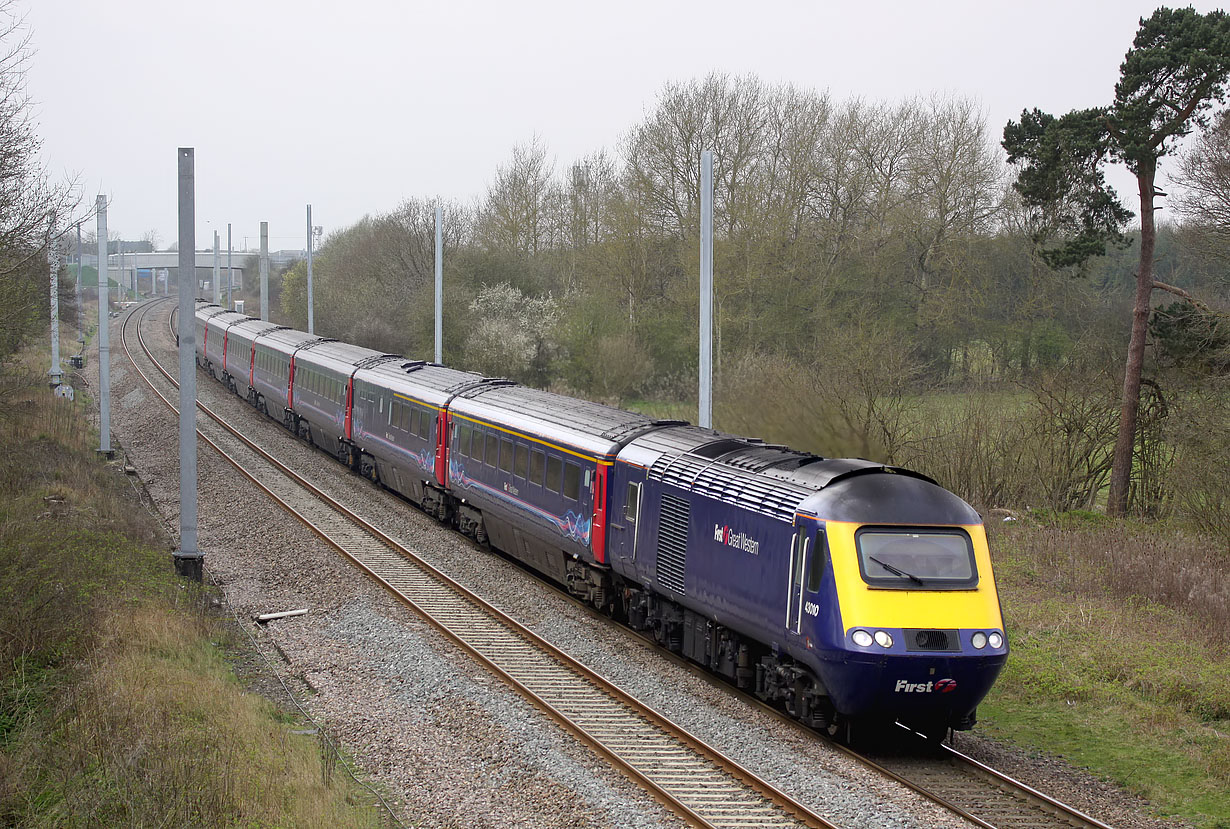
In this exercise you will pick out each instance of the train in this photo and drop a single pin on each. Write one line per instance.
(841, 590)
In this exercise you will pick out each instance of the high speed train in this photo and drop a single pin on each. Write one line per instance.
(839, 589)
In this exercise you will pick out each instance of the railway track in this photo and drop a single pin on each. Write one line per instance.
(691, 778)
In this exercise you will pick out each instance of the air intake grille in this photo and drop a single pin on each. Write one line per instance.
(767, 496)
(672, 542)
(932, 640)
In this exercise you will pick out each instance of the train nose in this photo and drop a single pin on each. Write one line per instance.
(944, 688)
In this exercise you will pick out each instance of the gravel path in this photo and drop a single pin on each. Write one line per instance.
(453, 745)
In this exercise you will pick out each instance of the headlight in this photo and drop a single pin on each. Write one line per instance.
(978, 640)
(883, 639)
(861, 638)
(996, 640)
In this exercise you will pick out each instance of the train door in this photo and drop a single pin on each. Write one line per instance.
(625, 518)
(800, 553)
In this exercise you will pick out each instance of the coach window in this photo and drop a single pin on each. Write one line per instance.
(493, 449)
(506, 454)
(476, 444)
(463, 440)
(572, 481)
(555, 471)
(537, 466)
(523, 461)
(424, 424)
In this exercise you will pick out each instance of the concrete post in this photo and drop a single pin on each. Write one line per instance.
(705, 418)
(80, 309)
(217, 271)
(104, 320)
(265, 271)
(188, 558)
(230, 271)
(53, 259)
(439, 286)
(311, 317)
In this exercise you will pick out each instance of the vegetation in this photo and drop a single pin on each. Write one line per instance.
(1175, 71)
(117, 704)
(1120, 639)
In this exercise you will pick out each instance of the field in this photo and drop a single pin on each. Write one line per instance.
(1120, 658)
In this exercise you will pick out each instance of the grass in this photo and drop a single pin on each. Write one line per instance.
(1122, 675)
(117, 704)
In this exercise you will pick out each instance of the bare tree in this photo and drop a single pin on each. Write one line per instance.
(515, 214)
(1204, 176)
(31, 205)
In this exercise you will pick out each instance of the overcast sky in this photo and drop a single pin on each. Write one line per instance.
(354, 106)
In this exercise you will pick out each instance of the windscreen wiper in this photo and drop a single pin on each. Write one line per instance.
(896, 570)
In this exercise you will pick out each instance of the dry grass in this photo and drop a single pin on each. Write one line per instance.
(116, 705)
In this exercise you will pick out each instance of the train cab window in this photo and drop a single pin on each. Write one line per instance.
(818, 558)
(537, 466)
(572, 481)
(555, 472)
(424, 424)
(631, 502)
(493, 449)
(520, 468)
(506, 454)
(921, 559)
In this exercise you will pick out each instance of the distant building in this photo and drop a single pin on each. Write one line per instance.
(282, 258)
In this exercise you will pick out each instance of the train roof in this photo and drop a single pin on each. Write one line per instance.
(286, 340)
(336, 355)
(778, 481)
(429, 382)
(253, 328)
(885, 494)
(225, 319)
(592, 427)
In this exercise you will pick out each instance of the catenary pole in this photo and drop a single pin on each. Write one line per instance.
(80, 310)
(439, 285)
(188, 558)
(217, 271)
(705, 419)
(265, 271)
(230, 270)
(104, 347)
(53, 260)
(311, 318)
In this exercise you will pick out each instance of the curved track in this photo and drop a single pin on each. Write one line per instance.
(696, 781)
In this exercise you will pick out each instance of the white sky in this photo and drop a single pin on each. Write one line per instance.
(356, 105)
